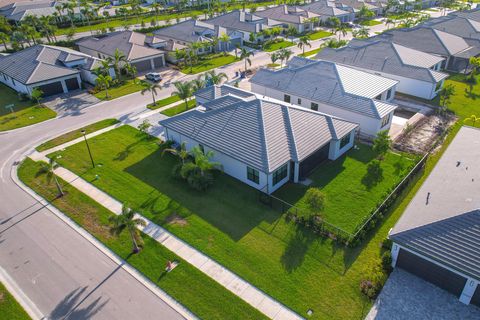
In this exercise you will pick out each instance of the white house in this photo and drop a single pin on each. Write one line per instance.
(54, 70)
(438, 236)
(262, 142)
(293, 16)
(417, 72)
(334, 89)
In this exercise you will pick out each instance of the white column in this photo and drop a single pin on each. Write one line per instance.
(395, 251)
(152, 64)
(296, 174)
(468, 291)
(64, 86)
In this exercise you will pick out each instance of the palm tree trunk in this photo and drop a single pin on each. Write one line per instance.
(134, 242)
(153, 97)
(186, 104)
(59, 187)
(106, 92)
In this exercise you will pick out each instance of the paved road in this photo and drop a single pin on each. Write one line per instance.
(61, 272)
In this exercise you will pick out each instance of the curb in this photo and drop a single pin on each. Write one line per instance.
(183, 311)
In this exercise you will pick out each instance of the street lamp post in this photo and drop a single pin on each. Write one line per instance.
(88, 147)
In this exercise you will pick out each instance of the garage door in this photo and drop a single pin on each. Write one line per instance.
(143, 65)
(310, 163)
(476, 297)
(51, 88)
(431, 272)
(72, 84)
(158, 62)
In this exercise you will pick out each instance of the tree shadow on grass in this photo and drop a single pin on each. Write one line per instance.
(296, 249)
(122, 155)
(373, 176)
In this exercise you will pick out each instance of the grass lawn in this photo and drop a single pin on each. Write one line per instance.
(72, 135)
(319, 35)
(350, 192)
(196, 291)
(269, 47)
(179, 108)
(163, 102)
(25, 117)
(10, 96)
(370, 23)
(310, 52)
(228, 223)
(209, 62)
(116, 92)
(9, 308)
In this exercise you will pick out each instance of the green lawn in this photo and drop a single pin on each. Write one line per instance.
(179, 108)
(10, 96)
(9, 308)
(269, 47)
(25, 117)
(209, 62)
(370, 23)
(72, 135)
(228, 223)
(310, 52)
(196, 291)
(163, 102)
(350, 193)
(116, 92)
(319, 35)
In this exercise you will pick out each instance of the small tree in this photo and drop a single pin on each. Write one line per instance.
(144, 126)
(446, 94)
(245, 55)
(225, 39)
(215, 78)
(304, 41)
(49, 170)
(315, 199)
(382, 144)
(36, 95)
(127, 221)
(103, 82)
(152, 88)
(184, 91)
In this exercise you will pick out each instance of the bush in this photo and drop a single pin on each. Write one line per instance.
(315, 199)
(387, 261)
(372, 284)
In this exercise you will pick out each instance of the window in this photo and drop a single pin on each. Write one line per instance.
(385, 120)
(314, 106)
(286, 98)
(253, 175)
(299, 101)
(280, 174)
(389, 94)
(345, 140)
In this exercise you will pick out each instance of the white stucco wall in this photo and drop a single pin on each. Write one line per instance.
(15, 85)
(335, 151)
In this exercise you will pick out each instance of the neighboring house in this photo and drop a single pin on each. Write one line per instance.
(473, 14)
(290, 16)
(459, 26)
(243, 22)
(334, 89)
(326, 9)
(454, 49)
(438, 236)
(190, 31)
(416, 71)
(53, 70)
(354, 6)
(17, 11)
(262, 142)
(132, 44)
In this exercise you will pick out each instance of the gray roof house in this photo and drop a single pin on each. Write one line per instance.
(473, 14)
(455, 49)
(260, 141)
(438, 236)
(416, 71)
(460, 26)
(334, 89)
(17, 11)
(354, 6)
(326, 9)
(290, 16)
(133, 45)
(53, 70)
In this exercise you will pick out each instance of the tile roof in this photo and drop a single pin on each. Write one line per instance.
(459, 26)
(447, 227)
(286, 13)
(19, 10)
(473, 14)
(262, 133)
(239, 20)
(324, 8)
(331, 83)
(187, 31)
(387, 57)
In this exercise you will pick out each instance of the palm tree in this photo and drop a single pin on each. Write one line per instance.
(36, 95)
(341, 30)
(152, 88)
(131, 71)
(215, 78)
(118, 57)
(49, 170)
(104, 82)
(225, 39)
(274, 57)
(245, 55)
(126, 220)
(181, 153)
(304, 41)
(445, 94)
(361, 33)
(198, 83)
(284, 54)
(291, 32)
(4, 38)
(473, 118)
(184, 91)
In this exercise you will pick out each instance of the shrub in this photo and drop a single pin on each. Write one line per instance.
(372, 284)
(315, 199)
(387, 261)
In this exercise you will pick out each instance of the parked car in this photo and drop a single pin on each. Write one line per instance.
(153, 76)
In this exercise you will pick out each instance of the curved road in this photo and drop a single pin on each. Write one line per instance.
(61, 272)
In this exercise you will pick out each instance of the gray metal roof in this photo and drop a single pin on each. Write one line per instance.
(189, 31)
(460, 26)
(331, 83)
(240, 20)
(324, 8)
(261, 133)
(287, 14)
(447, 227)
(131, 44)
(19, 10)
(386, 57)
(473, 14)
(215, 92)
(39, 63)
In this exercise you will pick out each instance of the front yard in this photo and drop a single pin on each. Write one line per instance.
(208, 62)
(229, 224)
(128, 87)
(319, 35)
(370, 23)
(277, 45)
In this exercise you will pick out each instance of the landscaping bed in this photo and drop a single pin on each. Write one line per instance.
(9, 308)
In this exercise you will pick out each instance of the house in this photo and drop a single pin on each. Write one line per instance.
(17, 11)
(326, 9)
(454, 49)
(195, 31)
(54, 70)
(244, 23)
(132, 44)
(334, 89)
(438, 236)
(473, 14)
(416, 71)
(294, 16)
(260, 141)
(354, 6)
(459, 26)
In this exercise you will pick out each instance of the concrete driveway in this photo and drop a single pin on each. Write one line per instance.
(70, 103)
(408, 297)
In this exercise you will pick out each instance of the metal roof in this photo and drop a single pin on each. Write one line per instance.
(19, 10)
(460, 26)
(188, 31)
(262, 133)
(330, 83)
(240, 20)
(324, 8)
(442, 221)
(284, 13)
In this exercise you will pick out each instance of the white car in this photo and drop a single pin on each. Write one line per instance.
(153, 76)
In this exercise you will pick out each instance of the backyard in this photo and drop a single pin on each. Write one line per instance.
(208, 62)
(228, 223)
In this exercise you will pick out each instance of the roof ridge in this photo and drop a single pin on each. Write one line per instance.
(288, 124)
(264, 135)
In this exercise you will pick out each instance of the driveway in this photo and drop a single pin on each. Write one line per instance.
(406, 296)
(153, 117)
(70, 103)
